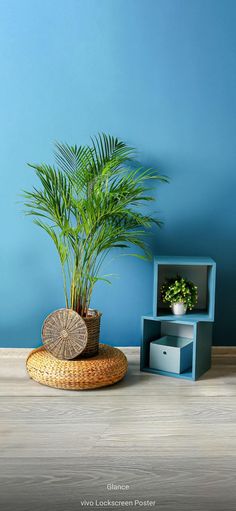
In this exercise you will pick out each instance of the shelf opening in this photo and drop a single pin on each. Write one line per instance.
(200, 275)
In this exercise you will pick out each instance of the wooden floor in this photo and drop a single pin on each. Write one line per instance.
(171, 441)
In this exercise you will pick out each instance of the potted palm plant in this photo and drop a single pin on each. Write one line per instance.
(89, 203)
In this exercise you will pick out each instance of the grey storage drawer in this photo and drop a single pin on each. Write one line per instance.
(172, 354)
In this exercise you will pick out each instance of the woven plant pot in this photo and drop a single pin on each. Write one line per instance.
(93, 328)
(66, 335)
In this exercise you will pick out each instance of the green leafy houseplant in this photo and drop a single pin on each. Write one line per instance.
(178, 290)
(89, 203)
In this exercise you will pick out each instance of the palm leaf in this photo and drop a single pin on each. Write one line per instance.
(89, 204)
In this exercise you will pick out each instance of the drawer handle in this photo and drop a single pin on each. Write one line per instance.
(164, 353)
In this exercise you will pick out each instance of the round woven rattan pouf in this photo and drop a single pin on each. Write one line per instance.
(108, 367)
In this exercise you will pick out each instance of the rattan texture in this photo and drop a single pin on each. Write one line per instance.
(93, 328)
(64, 334)
(107, 368)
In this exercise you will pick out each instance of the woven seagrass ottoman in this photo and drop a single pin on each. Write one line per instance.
(106, 368)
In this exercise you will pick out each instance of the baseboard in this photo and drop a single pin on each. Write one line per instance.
(223, 355)
(220, 354)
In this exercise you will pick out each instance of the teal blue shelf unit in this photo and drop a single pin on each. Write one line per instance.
(200, 270)
(200, 332)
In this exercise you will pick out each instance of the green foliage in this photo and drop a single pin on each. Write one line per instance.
(177, 290)
(89, 204)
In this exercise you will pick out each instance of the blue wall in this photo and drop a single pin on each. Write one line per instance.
(160, 74)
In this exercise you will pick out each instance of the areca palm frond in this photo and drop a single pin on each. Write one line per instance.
(89, 204)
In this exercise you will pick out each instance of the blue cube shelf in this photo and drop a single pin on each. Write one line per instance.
(199, 332)
(201, 271)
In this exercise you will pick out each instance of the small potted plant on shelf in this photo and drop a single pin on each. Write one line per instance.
(89, 204)
(180, 293)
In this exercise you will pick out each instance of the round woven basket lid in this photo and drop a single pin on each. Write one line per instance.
(64, 334)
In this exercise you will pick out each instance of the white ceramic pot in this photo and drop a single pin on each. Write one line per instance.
(179, 308)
